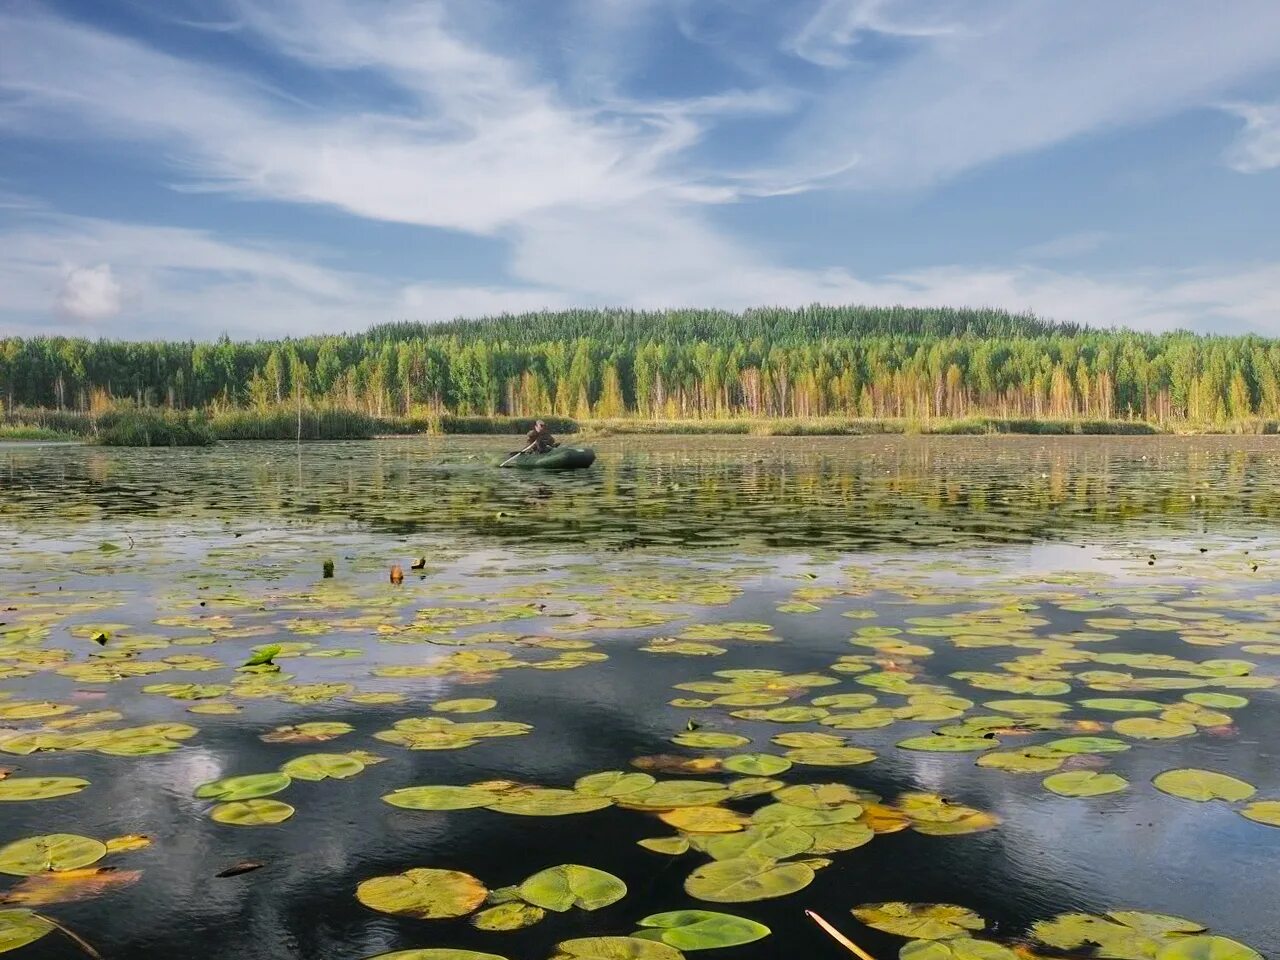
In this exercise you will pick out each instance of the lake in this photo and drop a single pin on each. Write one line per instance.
(1025, 676)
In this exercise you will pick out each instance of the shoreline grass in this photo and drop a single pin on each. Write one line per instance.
(858, 427)
(158, 426)
(22, 432)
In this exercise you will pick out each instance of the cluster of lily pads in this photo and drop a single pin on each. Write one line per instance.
(241, 800)
(1058, 703)
(943, 931)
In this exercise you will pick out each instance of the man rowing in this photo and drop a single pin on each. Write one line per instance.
(540, 438)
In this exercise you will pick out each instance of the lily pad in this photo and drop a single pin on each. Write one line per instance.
(322, 766)
(472, 705)
(614, 948)
(572, 885)
(701, 929)
(745, 879)
(668, 846)
(1202, 785)
(248, 787)
(547, 802)
(756, 764)
(1152, 728)
(613, 783)
(956, 948)
(774, 841)
(54, 851)
(1084, 783)
(39, 788)
(934, 743)
(508, 916)
(439, 798)
(423, 893)
(1207, 948)
(252, 813)
(21, 927)
(705, 819)
(920, 921)
(1263, 811)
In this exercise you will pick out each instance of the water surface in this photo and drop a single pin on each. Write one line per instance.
(855, 565)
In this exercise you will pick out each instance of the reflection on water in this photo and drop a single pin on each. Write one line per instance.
(1102, 568)
(854, 493)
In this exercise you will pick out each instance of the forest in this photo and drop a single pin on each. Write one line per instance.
(677, 365)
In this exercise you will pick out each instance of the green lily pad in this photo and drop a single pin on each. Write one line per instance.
(776, 841)
(613, 783)
(322, 766)
(1207, 948)
(1122, 705)
(1218, 701)
(920, 921)
(508, 916)
(668, 846)
(471, 705)
(956, 948)
(51, 852)
(1027, 760)
(252, 813)
(820, 796)
(709, 739)
(934, 743)
(39, 788)
(248, 787)
(437, 953)
(669, 794)
(439, 798)
(745, 879)
(547, 802)
(21, 927)
(756, 764)
(1084, 783)
(830, 756)
(1152, 728)
(1202, 785)
(1076, 745)
(705, 819)
(701, 929)
(572, 885)
(614, 948)
(423, 893)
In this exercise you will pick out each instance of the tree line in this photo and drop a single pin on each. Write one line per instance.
(680, 364)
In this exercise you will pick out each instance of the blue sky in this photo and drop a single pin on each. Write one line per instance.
(273, 167)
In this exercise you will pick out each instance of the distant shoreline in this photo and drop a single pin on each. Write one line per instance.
(165, 427)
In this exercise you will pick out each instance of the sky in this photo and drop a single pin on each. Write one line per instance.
(189, 168)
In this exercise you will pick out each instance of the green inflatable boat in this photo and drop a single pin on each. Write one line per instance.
(561, 458)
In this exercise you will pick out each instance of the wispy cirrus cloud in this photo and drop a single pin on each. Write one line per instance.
(1257, 148)
(1017, 76)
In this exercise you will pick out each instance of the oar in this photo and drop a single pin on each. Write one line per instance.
(839, 937)
(514, 455)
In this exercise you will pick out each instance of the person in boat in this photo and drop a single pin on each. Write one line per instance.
(540, 438)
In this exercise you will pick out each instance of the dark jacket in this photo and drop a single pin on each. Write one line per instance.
(543, 440)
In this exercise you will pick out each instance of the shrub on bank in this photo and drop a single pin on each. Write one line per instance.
(154, 428)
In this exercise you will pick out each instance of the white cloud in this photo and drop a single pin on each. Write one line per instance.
(166, 281)
(1067, 246)
(826, 37)
(89, 293)
(636, 256)
(486, 146)
(1258, 146)
(1023, 75)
